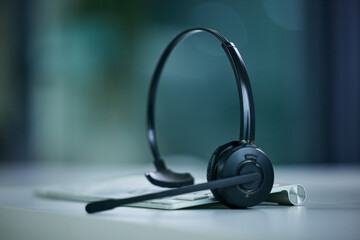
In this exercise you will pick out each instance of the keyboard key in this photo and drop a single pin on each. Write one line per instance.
(164, 201)
(191, 197)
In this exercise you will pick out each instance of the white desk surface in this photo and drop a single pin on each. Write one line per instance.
(332, 209)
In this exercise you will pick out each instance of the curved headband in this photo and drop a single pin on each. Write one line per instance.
(247, 121)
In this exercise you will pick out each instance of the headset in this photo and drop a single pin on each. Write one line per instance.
(239, 174)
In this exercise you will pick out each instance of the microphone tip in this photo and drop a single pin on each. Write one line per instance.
(90, 208)
(99, 206)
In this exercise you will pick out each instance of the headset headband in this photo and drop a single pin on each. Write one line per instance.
(247, 121)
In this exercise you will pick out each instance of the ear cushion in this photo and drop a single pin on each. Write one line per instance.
(211, 171)
(215, 157)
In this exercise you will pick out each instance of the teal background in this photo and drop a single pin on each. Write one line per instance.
(75, 75)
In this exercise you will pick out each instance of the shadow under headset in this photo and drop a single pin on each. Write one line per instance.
(239, 173)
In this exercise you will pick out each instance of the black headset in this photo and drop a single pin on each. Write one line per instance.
(239, 173)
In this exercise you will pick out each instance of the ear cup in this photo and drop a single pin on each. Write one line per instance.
(215, 157)
(211, 169)
(243, 160)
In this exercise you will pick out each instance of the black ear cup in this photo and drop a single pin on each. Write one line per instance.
(215, 156)
(242, 160)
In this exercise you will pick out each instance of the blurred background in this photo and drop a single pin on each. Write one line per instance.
(74, 76)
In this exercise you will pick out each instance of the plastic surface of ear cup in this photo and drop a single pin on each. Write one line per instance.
(215, 156)
(242, 160)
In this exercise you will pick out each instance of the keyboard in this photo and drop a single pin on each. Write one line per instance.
(130, 186)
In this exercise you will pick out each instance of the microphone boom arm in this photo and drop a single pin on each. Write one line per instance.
(108, 204)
